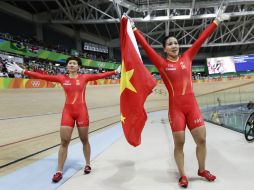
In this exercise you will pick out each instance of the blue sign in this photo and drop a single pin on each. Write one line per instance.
(244, 63)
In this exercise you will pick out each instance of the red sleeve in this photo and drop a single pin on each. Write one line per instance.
(155, 58)
(51, 78)
(91, 77)
(192, 52)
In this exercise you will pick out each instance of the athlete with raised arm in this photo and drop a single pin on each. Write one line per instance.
(176, 74)
(75, 109)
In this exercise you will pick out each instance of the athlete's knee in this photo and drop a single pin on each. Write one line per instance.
(179, 144)
(201, 141)
(65, 142)
(84, 140)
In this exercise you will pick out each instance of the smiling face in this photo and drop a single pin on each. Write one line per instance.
(72, 66)
(171, 48)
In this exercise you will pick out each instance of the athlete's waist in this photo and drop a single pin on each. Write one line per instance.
(182, 100)
(177, 95)
(76, 104)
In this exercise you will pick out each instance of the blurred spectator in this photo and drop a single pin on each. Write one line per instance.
(35, 45)
(44, 67)
(3, 70)
(156, 76)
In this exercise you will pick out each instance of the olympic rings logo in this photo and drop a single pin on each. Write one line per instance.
(35, 83)
(160, 91)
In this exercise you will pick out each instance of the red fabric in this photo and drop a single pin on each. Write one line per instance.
(184, 111)
(74, 87)
(176, 75)
(75, 109)
(133, 115)
(41, 71)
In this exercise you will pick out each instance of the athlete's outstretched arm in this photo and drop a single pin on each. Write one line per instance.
(91, 77)
(13, 67)
(192, 52)
(51, 78)
(155, 58)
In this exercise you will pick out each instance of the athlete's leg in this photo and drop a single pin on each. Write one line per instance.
(83, 135)
(196, 125)
(179, 140)
(199, 136)
(178, 124)
(65, 134)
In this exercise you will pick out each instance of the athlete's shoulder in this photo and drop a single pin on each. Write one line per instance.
(185, 55)
(62, 75)
(82, 75)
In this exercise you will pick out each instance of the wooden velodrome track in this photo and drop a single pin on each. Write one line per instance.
(30, 118)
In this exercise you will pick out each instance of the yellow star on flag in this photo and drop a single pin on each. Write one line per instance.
(122, 118)
(125, 79)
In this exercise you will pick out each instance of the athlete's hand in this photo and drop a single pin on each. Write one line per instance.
(131, 20)
(13, 67)
(221, 16)
(118, 70)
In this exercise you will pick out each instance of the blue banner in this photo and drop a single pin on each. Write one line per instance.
(244, 63)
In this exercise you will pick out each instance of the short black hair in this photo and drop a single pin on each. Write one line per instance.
(165, 40)
(74, 58)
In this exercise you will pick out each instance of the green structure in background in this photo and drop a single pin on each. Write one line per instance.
(30, 51)
(199, 69)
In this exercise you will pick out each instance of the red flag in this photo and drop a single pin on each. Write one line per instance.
(135, 85)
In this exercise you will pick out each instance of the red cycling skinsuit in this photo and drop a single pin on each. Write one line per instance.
(75, 108)
(177, 77)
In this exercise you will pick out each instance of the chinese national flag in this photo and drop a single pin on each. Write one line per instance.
(135, 85)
